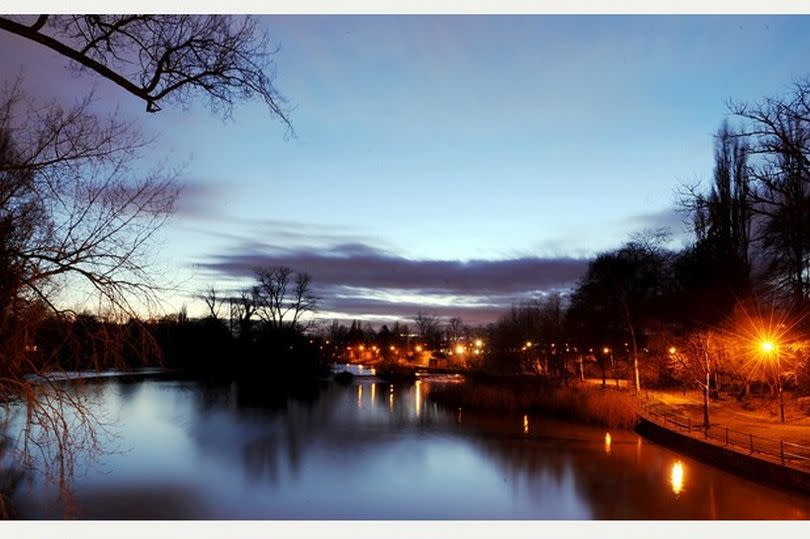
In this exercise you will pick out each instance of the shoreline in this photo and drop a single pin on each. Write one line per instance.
(617, 409)
(750, 467)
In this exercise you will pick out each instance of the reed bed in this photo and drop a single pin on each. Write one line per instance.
(605, 407)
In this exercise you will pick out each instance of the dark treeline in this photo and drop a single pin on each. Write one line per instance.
(724, 312)
(260, 330)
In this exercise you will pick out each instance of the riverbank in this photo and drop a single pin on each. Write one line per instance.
(597, 406)
(756, 468)
(722, 446)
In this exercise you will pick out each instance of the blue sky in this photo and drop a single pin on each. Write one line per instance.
(451, 148)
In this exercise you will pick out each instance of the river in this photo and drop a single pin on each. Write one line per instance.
(373, 450)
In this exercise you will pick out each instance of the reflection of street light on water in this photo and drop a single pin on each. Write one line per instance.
(608, 443)
(418, 397)
(676, 477)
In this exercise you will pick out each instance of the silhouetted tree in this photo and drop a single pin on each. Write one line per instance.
(72, 214)
(213, 301)
(285, 298)
(427, 326)
(778, 132)
(160, 58)
(715, 271)
(455, 330)
(623, 291)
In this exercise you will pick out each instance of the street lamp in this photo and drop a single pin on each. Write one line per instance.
(769, 347)
(608, 351)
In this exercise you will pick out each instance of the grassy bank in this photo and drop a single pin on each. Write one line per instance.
(594, 405)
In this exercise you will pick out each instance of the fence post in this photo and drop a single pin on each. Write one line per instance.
(726, 435)
(782, 451)
(751, 438)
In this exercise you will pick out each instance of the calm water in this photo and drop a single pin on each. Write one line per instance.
(372, 450)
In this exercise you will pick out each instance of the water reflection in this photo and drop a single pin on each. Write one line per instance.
(418, 399)
(227, 451)
(676, 477)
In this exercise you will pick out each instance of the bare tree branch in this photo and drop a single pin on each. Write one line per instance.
(161, 58)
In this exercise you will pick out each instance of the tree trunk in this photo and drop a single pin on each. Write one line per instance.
(706, 391)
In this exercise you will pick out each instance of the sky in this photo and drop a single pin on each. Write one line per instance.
(449, 164)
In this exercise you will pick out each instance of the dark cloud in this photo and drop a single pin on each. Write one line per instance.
(200, 200)
(359, 279)
(669, 218)
(363, 266)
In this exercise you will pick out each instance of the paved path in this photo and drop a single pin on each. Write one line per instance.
(730, 413)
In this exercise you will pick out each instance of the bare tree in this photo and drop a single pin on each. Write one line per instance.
(778, 131)
(213, 301)
(285, 297)
(696, 364)
(243, 308)
(73, 217)
(161, 58)
(427, 325)
(456, 329)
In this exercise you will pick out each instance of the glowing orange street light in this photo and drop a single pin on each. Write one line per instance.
(607, 351)
(769, 347)
(478, 343)
(672, 350)
(419, 348)
(528, 344)
(459, 349)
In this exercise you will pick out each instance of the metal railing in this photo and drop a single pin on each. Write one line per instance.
(784, 453)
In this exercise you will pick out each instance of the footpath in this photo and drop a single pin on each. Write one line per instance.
(762, 421)
(745, 432)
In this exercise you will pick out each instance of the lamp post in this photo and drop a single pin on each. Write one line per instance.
(609, 352)
(769, 347)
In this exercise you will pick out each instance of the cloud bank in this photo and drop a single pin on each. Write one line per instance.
(359, 280)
